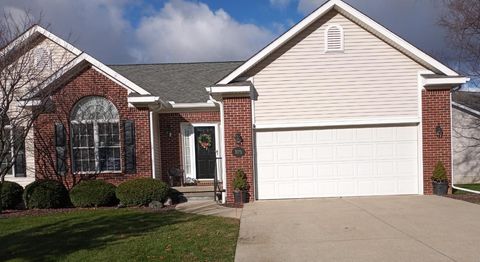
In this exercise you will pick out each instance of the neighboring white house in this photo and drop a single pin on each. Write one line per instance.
(466, 137)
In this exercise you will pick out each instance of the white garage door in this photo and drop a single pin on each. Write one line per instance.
(337, 162)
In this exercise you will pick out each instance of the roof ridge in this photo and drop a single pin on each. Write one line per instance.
(178, 63)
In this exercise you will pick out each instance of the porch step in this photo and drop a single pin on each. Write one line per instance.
(194, 193)
(198, 196)
(194, 189)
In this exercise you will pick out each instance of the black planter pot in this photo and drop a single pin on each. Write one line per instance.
(440, 188)
(244, 196)
(237, 197)
(240, 196)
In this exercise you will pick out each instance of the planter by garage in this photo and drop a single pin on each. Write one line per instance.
(240, 196)
(440, 188)
(240, 185)
(440, 180)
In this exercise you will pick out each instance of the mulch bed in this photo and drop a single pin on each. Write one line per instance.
(42, 212)
(472, 198)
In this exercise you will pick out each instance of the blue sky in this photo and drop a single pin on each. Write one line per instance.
(148, 31)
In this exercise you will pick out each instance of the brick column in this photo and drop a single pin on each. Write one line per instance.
(238, 119)
(436, 111)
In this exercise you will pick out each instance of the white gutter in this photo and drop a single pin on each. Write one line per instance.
(449, 81)
(222, 144)
(143, 99)
(209, 104)
(152, 146)
(229, 89)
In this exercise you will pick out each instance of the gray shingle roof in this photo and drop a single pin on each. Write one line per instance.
(469, 99)
(182, 82)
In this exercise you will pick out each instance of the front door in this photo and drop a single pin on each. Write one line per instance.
(205, 152)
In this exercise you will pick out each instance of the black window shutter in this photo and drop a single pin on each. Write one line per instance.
(129, 139)
(60, 148)
(19, 147)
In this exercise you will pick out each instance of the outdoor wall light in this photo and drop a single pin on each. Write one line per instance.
(168, 131)
(439, 131)
(238, 138)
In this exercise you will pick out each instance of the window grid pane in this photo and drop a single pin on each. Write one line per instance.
(83, 147)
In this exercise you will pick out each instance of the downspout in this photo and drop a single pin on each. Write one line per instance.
(222, 145)
(152, 145)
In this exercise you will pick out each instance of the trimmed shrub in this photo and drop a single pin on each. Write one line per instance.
(46, 194)
(93, 193)
(142, 191)
(11, 195)
(439, 173)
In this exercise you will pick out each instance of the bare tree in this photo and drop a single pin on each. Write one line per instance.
(26, 62)
(49, 165)
(462, 21)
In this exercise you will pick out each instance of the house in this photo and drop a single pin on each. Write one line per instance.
(465, 137)
(337, 106)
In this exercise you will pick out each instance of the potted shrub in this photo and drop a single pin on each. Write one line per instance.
(240, 187)
(440, 180)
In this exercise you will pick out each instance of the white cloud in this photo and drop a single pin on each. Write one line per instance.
(96, 26)
(187, 31)
(181, 31)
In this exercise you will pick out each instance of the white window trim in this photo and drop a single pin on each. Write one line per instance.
(191, 140)
(342, 38)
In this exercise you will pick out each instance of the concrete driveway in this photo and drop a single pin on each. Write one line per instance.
(399, 228)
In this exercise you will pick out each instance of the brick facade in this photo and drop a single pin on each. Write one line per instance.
(238, 119)
(171, 146)
(435, 111)
(90, 82)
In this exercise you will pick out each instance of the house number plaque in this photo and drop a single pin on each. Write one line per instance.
(238, 151)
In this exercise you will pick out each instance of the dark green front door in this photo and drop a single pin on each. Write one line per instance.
(205, 151)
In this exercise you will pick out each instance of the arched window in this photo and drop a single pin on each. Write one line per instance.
(95, 135)
(334, 38)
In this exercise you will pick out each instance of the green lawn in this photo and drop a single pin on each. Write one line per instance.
(475, 187)
(118, 235)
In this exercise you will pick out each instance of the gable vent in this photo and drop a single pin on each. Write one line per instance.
(334, 38)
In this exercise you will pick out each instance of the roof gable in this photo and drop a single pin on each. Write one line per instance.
(38, 30)
(84, 58)
(359, 18)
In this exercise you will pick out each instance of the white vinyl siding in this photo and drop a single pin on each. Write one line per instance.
(302, 83)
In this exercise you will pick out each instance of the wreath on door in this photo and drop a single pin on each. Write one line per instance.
(205, 140)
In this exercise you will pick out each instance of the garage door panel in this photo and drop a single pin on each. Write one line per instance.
(406, 149)
(385, 134)
(306, 153)
(324, 136)
(408, 133)
(406, 167)
(365, 151)
(365, 169)
(344, 152)
(306, 171)
(325, 153)
(337, 162)
(286, 172)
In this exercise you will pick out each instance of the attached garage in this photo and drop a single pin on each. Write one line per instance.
(362, 161)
